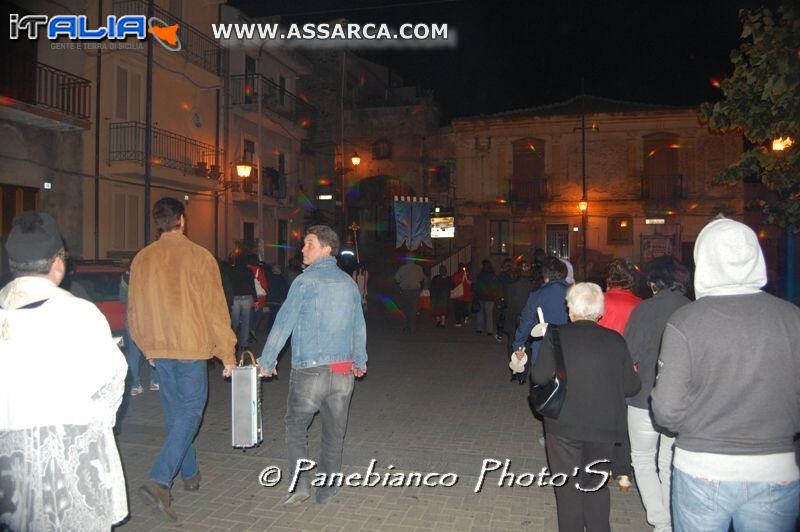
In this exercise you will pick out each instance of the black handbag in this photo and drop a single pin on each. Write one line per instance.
(548, 398)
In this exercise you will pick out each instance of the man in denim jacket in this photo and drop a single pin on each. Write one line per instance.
(323, 315)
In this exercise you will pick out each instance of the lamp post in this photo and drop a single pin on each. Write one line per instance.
(583, 206)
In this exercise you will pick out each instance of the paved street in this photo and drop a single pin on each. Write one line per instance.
(438, 402)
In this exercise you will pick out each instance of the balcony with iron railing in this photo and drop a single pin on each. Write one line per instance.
(245, 89)
(528, 192)
(197, 47)
(48, 92)
(170, 150)
(662, 187)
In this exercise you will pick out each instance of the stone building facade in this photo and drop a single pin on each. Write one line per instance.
(45, 117)
(366, 109)
(647, 172)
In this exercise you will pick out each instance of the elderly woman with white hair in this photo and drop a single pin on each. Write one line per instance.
(600, 375)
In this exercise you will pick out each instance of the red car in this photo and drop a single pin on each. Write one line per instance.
(98, 281)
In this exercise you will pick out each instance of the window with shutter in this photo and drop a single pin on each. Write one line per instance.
(122, 94)
(126, 227)
(620, 229)
(128, 102)
(381, 149)
(528, 158)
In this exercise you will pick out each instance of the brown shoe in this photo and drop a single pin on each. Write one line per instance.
(193, 484)
(154, 493)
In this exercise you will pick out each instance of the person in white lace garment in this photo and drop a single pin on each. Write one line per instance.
(61, 382)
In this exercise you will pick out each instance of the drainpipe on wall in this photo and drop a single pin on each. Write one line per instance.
(99, 71)
(216, 163)
(148, 130)
(260, 187)
(223, 72)
(225, 169)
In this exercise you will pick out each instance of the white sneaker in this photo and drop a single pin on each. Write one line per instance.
(136, 391)
(541, 441)
(154, 387)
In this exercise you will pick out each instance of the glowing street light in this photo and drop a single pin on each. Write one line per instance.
(243, 169)
(781, 144)
(355, 159)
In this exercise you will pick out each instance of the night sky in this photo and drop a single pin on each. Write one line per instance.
(517, 54)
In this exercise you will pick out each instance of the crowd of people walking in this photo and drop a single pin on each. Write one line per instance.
(695, 401)
(698, 402)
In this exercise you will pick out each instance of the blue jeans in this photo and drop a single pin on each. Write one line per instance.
(700, 505)
(313, 390)
(484, 321)
(240, 318)
(134, 357)
(184, 391)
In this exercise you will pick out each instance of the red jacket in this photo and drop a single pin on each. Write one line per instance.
(261, 277)
(458, 277)
(619, 304)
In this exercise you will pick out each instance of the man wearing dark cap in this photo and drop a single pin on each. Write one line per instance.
(178, 316)
(61, 381)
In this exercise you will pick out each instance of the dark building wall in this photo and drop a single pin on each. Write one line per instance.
(31, 156)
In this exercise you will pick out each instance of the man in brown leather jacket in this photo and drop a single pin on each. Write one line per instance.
(178, 316)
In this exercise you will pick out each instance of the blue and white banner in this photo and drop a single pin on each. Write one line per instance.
(402, 220)
(413, 222)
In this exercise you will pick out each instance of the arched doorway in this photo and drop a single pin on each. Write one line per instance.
(373, 203)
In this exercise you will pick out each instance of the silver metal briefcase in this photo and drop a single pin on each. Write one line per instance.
(246, 428)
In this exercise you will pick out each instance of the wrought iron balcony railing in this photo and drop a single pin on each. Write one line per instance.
(126, 143)
(530, 191)
(245, 89)
(44, 86)
(662, 187)
(273, 184)
(200, 49)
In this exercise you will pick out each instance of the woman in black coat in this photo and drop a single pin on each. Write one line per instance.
(600, 375)
(440, 296)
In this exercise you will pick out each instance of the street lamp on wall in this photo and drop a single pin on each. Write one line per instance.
(355, 159)
(782, 144)
(244, 169)
(241, 170)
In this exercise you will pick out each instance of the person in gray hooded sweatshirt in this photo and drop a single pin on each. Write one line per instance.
(729, 385)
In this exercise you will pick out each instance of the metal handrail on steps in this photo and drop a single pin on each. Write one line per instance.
(451, 263)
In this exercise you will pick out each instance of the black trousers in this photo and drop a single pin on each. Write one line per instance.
(409, 306)
(461, 310)
(576, 508)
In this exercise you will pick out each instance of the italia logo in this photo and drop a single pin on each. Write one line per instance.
(76, 27)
